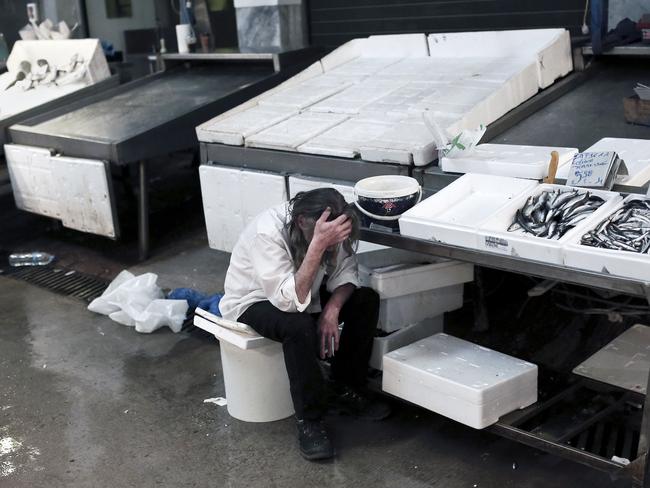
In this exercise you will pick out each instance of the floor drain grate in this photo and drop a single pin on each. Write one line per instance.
(60, 280)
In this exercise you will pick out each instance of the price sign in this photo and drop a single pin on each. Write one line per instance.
(594, 169)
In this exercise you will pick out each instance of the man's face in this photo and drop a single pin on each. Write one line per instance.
(307, 226)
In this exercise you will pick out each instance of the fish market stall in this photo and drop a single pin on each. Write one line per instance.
(60, 162)
(376, 105)
(44, 75)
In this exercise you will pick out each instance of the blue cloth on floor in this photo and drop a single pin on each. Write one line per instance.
(195, 299)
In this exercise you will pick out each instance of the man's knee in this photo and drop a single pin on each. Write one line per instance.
(301, 327)
(368, 297)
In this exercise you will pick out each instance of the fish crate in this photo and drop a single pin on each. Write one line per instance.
(454, 214)
(463, 381)
(636, 111)
(494, 236)
(626, 264)
(412, 286)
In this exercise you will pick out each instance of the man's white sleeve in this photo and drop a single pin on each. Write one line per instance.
(275, 271)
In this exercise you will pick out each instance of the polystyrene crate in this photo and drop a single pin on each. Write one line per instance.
(607, 261)
(460, 380)
(493, 235)
(400, 338)
(411, 286)
(455, 213)
(508, 160)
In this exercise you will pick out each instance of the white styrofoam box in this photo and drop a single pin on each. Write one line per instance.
(235, 129)
(304, 94)
(85, 186)
(73, 190)
(308, 73)
(550, 48)
(58, 53)
(342, 54)
(345, 140)
(411, 286)
(455, 213)
(303, 183)
(406, 142)
(508, 160)
(399, 101)
(398, 312)
(460, 380)
(35, 189)
(394, 272)
(294, 131)
(400, 338)
(396, 46)
(635, 153)
(354, 98)
(493, 235)
(232, 197)
(362, 67)
(607, 261)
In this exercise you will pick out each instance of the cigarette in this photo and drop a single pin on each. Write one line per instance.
(332, 350)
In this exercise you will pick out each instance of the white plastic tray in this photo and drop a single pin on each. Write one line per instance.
(493, 235)
(460, 380)
(393, 272)
(412, 286)
(455, 213)
(608, 261)
(508, 160)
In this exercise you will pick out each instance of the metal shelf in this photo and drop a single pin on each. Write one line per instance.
(511, 263)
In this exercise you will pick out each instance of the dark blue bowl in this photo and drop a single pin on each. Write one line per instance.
(388, 207)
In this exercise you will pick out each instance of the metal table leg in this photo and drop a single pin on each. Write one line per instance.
(143, 212)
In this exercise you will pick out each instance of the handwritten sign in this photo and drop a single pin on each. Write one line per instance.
(594, 169)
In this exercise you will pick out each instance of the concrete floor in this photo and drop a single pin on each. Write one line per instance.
(87, 402)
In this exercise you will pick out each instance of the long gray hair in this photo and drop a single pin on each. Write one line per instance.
(311, 205)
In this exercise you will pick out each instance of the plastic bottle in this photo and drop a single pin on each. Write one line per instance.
(36, 258)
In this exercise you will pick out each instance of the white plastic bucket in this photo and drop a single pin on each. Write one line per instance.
(256, 382)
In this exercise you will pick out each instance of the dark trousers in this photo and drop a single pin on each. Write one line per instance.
(300, 342)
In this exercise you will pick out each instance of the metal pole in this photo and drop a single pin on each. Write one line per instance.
(143, 212)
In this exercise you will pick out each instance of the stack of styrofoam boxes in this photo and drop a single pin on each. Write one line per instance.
(415, 290)
(460, 380)
(232, 197)
(380, 87)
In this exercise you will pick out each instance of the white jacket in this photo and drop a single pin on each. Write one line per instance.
(261, 268)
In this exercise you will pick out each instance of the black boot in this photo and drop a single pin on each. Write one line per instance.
(313, 440)
(360, 404)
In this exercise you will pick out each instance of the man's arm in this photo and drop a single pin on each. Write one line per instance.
(328, 322)
(326, 234)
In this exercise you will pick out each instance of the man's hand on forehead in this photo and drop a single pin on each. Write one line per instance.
(328, 232)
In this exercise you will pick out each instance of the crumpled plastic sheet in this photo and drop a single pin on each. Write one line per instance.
(137, 301)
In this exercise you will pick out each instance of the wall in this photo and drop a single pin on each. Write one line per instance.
(333, 22)
(112, 30)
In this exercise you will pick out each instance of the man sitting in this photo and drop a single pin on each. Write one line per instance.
(276, 284)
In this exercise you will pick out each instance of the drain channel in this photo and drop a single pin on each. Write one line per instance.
(60, 280)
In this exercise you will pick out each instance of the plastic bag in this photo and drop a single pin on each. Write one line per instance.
(196, 299)
(137, 301)
(464, 143)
